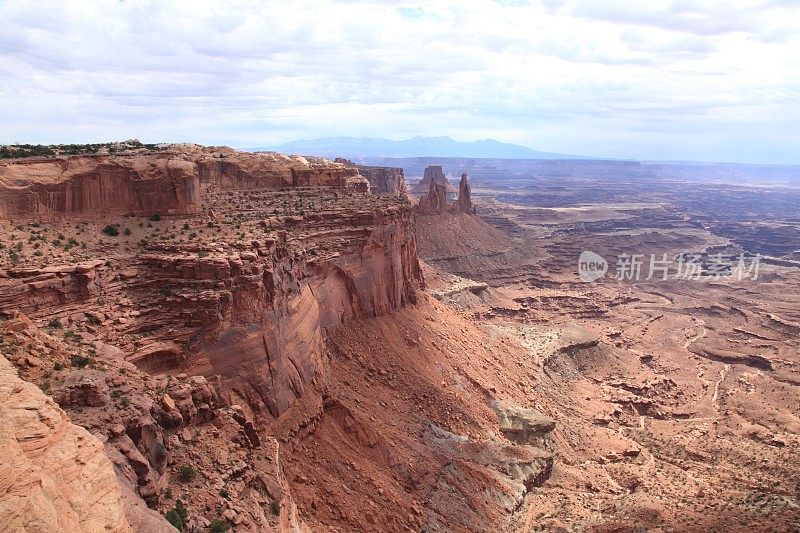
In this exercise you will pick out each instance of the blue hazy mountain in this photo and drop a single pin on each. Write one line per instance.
(416, 147)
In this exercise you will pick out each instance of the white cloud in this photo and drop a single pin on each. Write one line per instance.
(661, 79)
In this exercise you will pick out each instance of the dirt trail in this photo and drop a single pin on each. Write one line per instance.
(698, 336)
(723, 371)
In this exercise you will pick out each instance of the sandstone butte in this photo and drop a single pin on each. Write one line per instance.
(244, 334)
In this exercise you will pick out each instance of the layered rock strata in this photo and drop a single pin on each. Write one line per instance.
(167, 181)
(254, 310)
(383, 181)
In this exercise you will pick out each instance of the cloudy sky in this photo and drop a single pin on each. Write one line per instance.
(655, 79)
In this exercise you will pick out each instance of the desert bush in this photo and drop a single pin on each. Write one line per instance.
(79, 361)
(111, 230)
(219, 525)
(178, 515)
(186, 473)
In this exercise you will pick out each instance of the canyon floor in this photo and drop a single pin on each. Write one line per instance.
(267, 342)
(676, 401)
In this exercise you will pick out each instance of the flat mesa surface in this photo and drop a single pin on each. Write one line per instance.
(677, 401)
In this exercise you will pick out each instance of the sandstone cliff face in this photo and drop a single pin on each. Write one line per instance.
(54, 475)
(253, 311)
(243, 290)
(164, 182)
(383, 181)
(87, 186)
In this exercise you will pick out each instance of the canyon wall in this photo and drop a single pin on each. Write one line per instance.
(165, 182)
(383, 181)
(88, 186)
(218, 310)
(254, 312)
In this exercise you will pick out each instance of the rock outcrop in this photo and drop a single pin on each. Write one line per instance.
(435, 201)
(54, 475)
(433, 173)
(465, 196)
(383, 181)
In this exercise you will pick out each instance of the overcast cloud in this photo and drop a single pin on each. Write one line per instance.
(699, 80)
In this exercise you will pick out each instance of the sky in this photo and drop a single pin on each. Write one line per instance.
(678, 80)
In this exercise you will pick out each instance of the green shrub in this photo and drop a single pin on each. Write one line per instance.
(54, 324)
(275, 507)
(219, 525)
(155, 217)
(178, 515)
(79, 361)
(186, 473)
(111, 230)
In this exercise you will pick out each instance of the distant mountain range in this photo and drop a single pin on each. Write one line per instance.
(356, 147)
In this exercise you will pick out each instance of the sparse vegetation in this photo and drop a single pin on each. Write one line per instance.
(72, 336)
(219, 525)
(178, 515)
(112, 230)
(54, 323)
(186, 473)
(80, 361)
(52, 150)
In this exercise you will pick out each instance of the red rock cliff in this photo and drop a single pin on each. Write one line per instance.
(286, 251)
(383, 181)
(143, 182)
